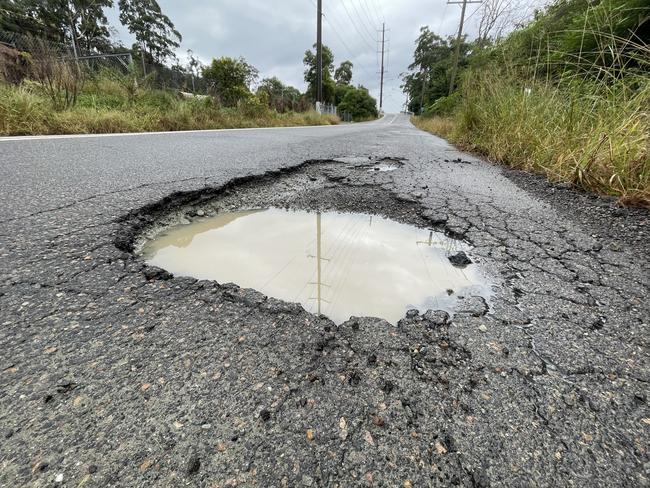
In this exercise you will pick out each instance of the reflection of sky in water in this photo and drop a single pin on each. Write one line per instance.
(383, 167)
(370, 266)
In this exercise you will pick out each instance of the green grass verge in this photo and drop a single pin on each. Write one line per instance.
(594, 136)
(105, 106)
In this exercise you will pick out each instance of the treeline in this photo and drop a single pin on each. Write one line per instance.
(593, 38)
(80, 29)
(566, 93)
(84, 27)
(337, 86)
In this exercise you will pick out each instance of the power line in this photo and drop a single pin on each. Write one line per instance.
(345, 45)
(366, 11)
(337, 34)
(442, 19)
(379, 10)
(356, 27)
(369, 30)
(374, 12)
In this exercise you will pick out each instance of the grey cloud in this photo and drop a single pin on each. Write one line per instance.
(273, 35)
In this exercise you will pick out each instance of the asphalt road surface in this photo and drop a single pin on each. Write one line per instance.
(114, 374)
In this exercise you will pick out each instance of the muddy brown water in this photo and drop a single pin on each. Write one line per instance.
(338, 264)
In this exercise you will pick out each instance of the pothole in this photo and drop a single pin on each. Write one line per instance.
(381, 165)
(337, 264)
(380, 253)
(384, 167)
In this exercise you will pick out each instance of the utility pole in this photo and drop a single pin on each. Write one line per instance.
(319, 53)
(319, 281)
(424, 84)
(381, 86)
(454, 68)
(318, 260)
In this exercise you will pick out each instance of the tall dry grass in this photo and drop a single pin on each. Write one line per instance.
(107, 105)
(592, 131)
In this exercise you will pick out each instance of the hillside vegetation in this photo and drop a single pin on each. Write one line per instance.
(567, 95)
(105, 106)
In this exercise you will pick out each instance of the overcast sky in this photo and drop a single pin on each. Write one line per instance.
(273, 35)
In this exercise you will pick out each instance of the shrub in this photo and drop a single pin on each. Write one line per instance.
(359, 103)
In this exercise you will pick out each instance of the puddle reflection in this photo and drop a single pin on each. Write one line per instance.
(337, 264)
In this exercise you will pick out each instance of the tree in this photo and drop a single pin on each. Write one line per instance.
(359, 103)
(340, 92)
(428, 75)
(592, 34)
(194, 67)
(230, 79)
(497, 17)
(329, 86)
(80, 23)
(343, 74)
(152, 29)
(21, 16)
(280, 96)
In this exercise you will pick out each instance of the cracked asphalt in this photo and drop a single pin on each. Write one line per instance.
(116, 374)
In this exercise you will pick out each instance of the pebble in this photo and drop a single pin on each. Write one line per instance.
(193, 464)
(460, 259)
(482, 328)
(436, 317)
(367, 436)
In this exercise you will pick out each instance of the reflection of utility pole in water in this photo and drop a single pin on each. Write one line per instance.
(430, 242)
(318, 257)
(447, 244)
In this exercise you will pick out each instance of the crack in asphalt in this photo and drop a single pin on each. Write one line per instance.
(549, 387)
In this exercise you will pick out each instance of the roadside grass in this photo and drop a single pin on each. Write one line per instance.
(107, 106)
(593, 134)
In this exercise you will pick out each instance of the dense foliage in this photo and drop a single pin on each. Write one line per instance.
(567, 94)
(60, 48)
(329, 87)
(153, 30)
(81, 23)
(282, 97)
(429, 74)
(229, 79)
(359, 103)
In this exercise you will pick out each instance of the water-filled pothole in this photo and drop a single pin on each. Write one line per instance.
(384, 167)
(338, 264)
